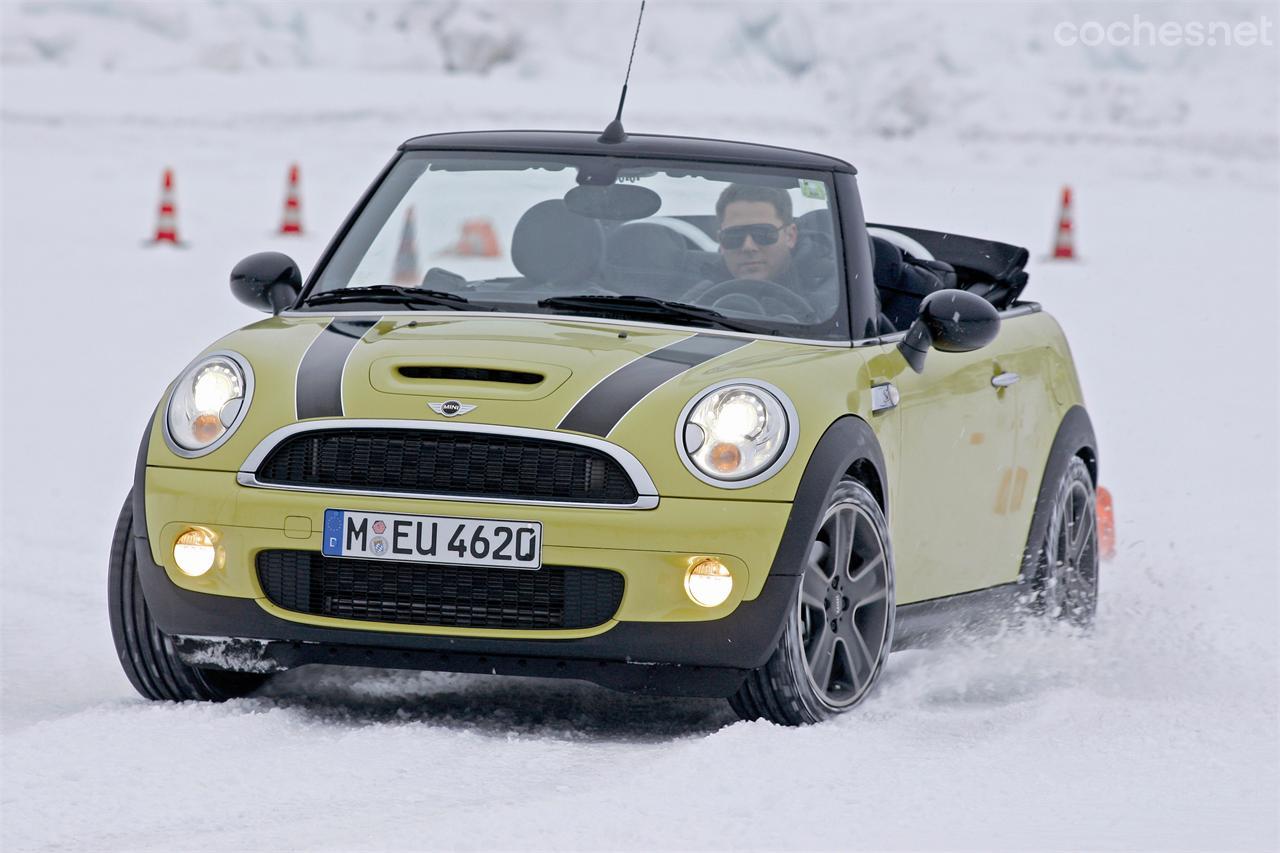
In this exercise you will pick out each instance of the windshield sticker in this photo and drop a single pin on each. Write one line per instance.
(813, 189)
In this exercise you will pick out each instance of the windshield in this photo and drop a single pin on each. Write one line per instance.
(694, 244)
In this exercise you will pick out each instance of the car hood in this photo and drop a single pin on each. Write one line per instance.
(515, 371)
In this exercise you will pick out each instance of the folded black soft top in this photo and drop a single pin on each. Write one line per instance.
(977, 261)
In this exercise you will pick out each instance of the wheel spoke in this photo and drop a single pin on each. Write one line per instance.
(1083, 537)
(817, 555)
(820, 640)
(822, 657)
(1069, 516)
(867, 583)
(842, 544)
(847, 657)
(860, 660)
(1062, 542)
(813, 589)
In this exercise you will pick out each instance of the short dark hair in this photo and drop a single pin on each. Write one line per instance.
(780, 200)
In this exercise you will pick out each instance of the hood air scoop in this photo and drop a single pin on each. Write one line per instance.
(466, 378)
(469, 374)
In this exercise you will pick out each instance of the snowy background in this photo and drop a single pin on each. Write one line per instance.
(1158, 731)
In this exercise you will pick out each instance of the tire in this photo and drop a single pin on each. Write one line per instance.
(1064, 584)
(147, 655)
(838, 636)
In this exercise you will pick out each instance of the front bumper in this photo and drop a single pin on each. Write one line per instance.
(674, 658)
(658, 641)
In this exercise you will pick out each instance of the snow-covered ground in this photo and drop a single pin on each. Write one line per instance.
(1159, 731)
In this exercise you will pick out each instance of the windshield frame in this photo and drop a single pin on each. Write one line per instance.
(837, 330)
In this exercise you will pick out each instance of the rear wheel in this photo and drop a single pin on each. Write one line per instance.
(146, 654)
(839, 632)
(1065, 584)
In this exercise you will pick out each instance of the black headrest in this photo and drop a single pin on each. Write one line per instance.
(814, 247)
(553, 244)
(887, 270)
(645, 246)
(816, 220)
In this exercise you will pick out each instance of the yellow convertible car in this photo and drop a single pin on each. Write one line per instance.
(661, 413)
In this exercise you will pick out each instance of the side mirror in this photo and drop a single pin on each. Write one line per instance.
(949, 321)
(268, 281)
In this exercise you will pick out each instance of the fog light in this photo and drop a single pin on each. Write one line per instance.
(708, 582)
(194, 552)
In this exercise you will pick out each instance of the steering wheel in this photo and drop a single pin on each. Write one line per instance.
(758, 290)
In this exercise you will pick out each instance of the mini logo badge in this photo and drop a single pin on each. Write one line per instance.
(450, 408)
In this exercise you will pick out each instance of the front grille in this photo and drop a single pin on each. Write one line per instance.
(439, 462)
(453, 596)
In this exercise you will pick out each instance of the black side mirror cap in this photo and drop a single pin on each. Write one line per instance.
(949, 321)
(267, 281)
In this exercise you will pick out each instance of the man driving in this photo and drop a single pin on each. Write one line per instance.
(757, 232)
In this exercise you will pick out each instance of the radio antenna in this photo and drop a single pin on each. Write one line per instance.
(614, 133)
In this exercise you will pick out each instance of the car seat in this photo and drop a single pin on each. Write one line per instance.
(648, 259)
(553, 245)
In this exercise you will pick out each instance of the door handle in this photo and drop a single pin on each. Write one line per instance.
(1004, 380)
(884, 397)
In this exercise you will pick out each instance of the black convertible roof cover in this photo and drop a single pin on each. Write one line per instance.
(635, 145)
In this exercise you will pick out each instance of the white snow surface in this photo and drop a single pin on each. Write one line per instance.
(1158, 731)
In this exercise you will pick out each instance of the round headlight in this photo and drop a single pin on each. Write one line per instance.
(207, 403)
(735, 434)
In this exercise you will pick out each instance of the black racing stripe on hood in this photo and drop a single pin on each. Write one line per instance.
(600, 409)
(319, 385)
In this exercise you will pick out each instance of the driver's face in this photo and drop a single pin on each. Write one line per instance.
(752, 260)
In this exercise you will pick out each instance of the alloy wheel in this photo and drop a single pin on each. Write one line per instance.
(844, 605)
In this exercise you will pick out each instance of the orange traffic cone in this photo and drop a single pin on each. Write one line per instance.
(291, 223)
(1064, 243)
(167, 217)
(478, 240)
(405, 268)
(1106, 524)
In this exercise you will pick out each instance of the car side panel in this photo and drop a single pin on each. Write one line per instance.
(1047, 390)
(956, 451)
(965, 496)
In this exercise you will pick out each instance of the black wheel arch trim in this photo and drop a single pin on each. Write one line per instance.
(1075, 434)
(140, 482)
(846, 443)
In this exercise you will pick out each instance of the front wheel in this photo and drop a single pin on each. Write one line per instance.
(838, 634)
(145, 653)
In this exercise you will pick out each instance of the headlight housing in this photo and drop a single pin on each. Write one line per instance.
(208, 402)
(736, 434)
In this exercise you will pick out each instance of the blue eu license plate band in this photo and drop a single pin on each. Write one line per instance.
(333, 519)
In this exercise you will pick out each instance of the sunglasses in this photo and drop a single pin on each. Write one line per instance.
(761, 235)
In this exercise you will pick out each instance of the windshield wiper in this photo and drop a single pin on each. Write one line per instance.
(648, 306)
(408, 296)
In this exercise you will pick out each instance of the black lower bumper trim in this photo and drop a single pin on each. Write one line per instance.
(275, 655)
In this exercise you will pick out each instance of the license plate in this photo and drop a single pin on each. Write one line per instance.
(433, 539)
